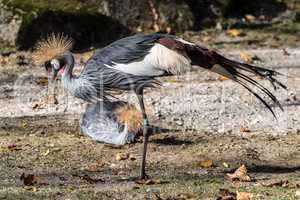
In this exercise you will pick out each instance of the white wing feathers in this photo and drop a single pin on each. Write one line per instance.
(157, 62)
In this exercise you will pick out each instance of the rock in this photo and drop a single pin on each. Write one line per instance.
(9, 26)
(89, 23)
(95, 23)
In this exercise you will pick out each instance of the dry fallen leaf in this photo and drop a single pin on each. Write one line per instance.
(11, 147)
(206, 163)
(34, 189)
(222, 78)
(42, 103)
(246, 57)
(250, 18)
(24, 124)
(95, 167)
(121, 156)
(46, 153)
(225, 194)
(4, 60)
(243, 195)
(92, 168)
(234, 32)
(240, 174)
(244, 129)
(31, 188)
(30, 179)
(281, 183)
(35, 106)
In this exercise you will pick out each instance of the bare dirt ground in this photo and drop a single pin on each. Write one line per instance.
(69, 166)
(221, 123)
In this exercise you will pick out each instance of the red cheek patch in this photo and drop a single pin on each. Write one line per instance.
(61, 71)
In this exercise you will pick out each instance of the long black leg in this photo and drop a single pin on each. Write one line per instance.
(143, 174)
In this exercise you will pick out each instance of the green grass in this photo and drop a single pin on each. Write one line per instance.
(198, 189)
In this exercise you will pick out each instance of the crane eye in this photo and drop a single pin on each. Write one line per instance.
(55, 64)
(48, 66)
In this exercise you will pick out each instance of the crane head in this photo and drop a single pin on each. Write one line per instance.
(49, 51)
(53, 67)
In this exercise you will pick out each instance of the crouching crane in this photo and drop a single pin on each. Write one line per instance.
(134, 62)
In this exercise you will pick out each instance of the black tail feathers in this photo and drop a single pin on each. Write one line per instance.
(236, 71)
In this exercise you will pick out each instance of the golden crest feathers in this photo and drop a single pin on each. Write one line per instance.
(51, 47)
(129, 115)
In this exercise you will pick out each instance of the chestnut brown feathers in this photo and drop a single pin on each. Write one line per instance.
(129, 115)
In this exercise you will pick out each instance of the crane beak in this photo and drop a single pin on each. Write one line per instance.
(52, 75)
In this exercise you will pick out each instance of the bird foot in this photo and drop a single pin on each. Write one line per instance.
(140, 179)
(143, 177)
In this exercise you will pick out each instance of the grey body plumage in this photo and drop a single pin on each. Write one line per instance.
(101, 123)
(99, 80)
(127, 49)
(134, 62)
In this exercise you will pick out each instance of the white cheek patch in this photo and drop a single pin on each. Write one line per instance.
(55, 64)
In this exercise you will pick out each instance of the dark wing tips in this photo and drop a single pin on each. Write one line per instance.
(274, 81)
(259, 97)
(267, 74)
(236, 69)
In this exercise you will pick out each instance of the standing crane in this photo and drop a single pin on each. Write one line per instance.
(133, 63)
